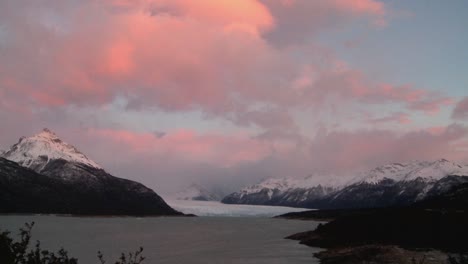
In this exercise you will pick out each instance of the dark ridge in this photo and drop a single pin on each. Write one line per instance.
(409, 228)
(325, 215)
(89, 192)
(434, 227)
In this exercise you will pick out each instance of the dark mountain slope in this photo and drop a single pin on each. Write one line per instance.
(52, 176)
(25, 191)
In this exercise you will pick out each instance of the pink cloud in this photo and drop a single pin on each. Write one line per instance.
(431, 105)
(234, 60)
(461, 109)
(436, 130)
(404, 93)
(217, 150)
(348, 150)
(298, 21)
(397, 117)
(371, 7)
(341, 152)
(96, 61)
(213, 56)
(248, 14)
(358, 6)
(374, 8)
(351, 85)
(334, 151)
(163, 160)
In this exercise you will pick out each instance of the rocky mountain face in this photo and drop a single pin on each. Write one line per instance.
(24, 191)
(43, 174)
(390, 185)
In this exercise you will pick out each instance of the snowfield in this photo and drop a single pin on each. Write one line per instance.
(429, 171)
(36, 151)
(211, 208)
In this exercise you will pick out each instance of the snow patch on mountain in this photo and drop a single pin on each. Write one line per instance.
(37, 151)
(285, 184)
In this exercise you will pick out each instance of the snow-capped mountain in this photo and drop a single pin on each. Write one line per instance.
(196, 192)
(399, 184)
(284, 184)
(287, 191)
(389, 185)
(37, 151)
(425, 170)
(38, 166)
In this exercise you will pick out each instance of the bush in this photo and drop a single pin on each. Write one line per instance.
(12, 252)
(17, 252)
(130, 258)
(460, 259)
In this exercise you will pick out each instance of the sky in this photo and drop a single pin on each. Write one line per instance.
(228, 92)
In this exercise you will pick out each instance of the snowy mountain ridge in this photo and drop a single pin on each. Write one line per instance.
(387, 185)
(425, 170)
(428, 171)
(37, 151)
(286, 191)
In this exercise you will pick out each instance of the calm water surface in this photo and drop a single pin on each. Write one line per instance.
(172, 240)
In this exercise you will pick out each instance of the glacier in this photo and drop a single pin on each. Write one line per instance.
(213, 208)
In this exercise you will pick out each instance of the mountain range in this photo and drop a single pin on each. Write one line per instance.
(396, 184)
(43, 174)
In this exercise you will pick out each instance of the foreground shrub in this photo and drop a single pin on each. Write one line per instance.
(12, 252)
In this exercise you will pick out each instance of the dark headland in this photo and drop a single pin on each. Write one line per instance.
(433, 231)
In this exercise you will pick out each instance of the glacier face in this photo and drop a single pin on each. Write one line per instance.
(213, 208)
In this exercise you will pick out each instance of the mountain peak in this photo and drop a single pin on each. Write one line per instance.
(36, 151)
(46, 131)
(46, 134)
(425, 170)
(441, 161)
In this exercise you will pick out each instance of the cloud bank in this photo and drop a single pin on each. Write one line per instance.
(257, 65)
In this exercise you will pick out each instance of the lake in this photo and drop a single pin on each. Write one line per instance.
(175, 240)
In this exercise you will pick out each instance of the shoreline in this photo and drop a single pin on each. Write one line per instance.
(96, 216)
(389, 235)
